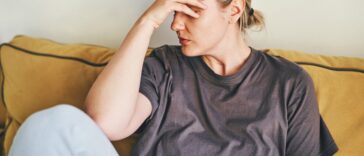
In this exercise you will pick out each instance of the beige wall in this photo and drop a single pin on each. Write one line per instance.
(332, 27)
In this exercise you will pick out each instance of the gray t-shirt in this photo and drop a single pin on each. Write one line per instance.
(267, 108)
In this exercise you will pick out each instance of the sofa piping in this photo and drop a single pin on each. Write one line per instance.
(55, 56)
(104, 64)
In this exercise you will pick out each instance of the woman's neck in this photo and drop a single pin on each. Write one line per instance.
(228, 56)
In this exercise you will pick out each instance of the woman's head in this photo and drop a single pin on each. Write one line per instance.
(217, 26)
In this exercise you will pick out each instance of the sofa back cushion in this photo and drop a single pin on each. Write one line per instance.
(39, 73)
(339, 86)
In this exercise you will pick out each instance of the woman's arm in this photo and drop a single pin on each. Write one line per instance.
(112, 100)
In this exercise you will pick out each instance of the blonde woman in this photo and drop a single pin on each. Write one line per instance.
(211, 95)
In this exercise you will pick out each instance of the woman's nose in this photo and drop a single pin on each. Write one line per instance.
(178, 21)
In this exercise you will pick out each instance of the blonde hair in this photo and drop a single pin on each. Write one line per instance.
(247, 21)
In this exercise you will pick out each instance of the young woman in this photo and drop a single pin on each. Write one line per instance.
(212, 95)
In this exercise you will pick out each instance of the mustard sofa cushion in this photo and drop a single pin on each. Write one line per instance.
(39, 73)
(339, 86)
(2, 106)
(2, 111)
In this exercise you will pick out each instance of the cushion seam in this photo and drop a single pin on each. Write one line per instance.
(56, 56)
(331, 68)
(325, 66)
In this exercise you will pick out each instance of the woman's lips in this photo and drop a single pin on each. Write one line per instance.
(183, 41)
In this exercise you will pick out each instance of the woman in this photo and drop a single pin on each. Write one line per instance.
(213, 95)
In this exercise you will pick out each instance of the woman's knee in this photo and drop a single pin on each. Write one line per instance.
(59, 115)
(62, 127)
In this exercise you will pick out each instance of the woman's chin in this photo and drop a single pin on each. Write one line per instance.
(189, 52)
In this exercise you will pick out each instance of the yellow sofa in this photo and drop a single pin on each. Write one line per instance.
(37, 73)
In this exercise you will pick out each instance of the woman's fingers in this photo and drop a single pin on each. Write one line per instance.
(182, 6)
(197, 3)
(185, 9)
(160, 9)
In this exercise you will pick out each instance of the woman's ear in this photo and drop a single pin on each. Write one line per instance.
(236, 10)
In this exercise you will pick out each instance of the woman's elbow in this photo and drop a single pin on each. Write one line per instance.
(114, 131)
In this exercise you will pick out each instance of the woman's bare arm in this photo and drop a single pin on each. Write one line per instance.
(114, 99)
(111, 100)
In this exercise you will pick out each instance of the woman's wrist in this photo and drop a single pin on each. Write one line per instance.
(145, 20)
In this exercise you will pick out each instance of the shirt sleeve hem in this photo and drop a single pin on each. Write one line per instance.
(330, 150)
(146, 92)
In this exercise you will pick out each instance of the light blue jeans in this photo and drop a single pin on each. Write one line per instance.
(62, 130)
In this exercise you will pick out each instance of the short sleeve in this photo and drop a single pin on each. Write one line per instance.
(307, 132)
(151, 78)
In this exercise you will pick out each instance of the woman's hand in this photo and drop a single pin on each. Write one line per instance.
(160, 9)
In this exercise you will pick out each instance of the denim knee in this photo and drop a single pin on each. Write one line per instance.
(61, 130)
(60, 115)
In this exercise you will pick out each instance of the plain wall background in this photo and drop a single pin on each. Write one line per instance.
(330, 27)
